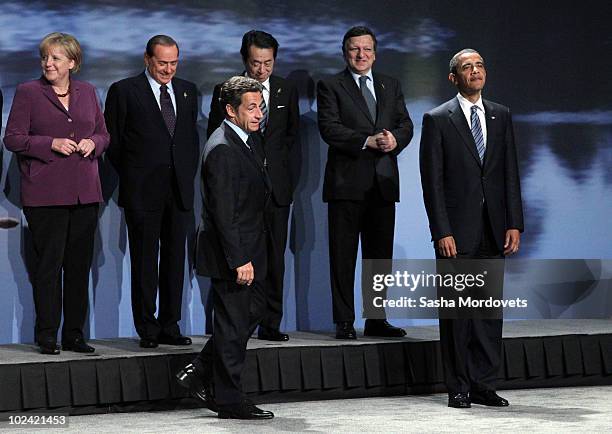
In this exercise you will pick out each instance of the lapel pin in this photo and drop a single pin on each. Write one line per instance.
(278, 91)
(492, 117)
(382, 85)
(184, 94)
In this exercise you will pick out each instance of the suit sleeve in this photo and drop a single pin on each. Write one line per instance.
(216, 114)
(293, 122)
(404, 128)
(514, 204)
(100, 135)
(17, 136)
(432, 178)
(115, 112)
(221, 183)
(332, 130)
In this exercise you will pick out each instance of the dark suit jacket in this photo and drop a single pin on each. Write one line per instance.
(345, 123)
(37, 117)
(279, 136)
(235, 189)
(455, 183)
(143, 151)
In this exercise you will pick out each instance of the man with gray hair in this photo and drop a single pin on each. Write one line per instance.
(231, 250)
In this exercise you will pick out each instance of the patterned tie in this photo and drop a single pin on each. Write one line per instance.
(367, 94)
(477, 133)
(167, 109)
(264, 111)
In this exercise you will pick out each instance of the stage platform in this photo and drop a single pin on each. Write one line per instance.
(120, 376)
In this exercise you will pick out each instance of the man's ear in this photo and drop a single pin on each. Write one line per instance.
(452, 78)
(230, 110)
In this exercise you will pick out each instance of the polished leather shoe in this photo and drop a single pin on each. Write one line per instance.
(189, 378)
(174, 340)
(267, 334)
(382, 328)
(490, 398)
(459, 400)
(245, 410)
(78, 345)
(148, 343)
(49, 347)
(345, 330)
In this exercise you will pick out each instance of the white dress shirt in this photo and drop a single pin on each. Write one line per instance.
(466, 108)
(156, 88)
(369, 82)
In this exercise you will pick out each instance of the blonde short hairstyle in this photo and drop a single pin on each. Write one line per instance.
(67, 42)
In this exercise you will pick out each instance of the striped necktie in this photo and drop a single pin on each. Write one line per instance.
(477, 133)
(167, 109)
(264, 111)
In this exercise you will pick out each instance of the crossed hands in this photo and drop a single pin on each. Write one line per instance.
(383, 141)
(67, 146)
(245, 274)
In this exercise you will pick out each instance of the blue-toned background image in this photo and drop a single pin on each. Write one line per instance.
(548, 62)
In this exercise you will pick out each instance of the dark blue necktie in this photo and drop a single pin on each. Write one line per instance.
(167, 109)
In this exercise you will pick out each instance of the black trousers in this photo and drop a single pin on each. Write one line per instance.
(471, 348)
(373, 220)
(63, 239)
(237, 311)
(277, 219)
(157, 236)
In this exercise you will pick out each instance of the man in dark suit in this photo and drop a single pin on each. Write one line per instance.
(278, 132)
(232, 250)
(363, 118)
(154, 147)
(472, 194)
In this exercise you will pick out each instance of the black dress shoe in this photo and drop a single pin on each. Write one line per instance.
(49, 347)
(459, 400)
(245, 410)
(189, 378)
(78, 345)
(345, 330)
(148, 343)
(382, 328)
(174, 340)
(267, 334)
(490, 398)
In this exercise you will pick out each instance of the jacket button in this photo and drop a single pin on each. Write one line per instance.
(69, 120)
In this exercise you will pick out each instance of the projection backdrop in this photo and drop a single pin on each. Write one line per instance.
(549, 62)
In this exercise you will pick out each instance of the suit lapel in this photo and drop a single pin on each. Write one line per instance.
(458, 119)
(275, 91)
(180, 95)
(381, 95)
(351, 88)
(147, 100)
(492, 120)
(250, 155)
(50, 94)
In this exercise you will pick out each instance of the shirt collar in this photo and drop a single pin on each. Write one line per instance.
(356, 76)
(244, 136)
(466, 104)
(155, 85)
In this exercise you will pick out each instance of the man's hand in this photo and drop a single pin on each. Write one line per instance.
(447, 247)
(64, 146)
(386, 141)
(245, 274)
(86, 147)
(513, 239)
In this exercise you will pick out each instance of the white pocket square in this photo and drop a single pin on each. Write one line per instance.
(280, 106)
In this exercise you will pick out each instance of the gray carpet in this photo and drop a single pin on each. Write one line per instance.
(538, 410)
(128, 347)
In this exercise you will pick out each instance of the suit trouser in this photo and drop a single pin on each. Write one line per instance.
(471, 348)
(372, 219)
(237, 311)
(152, 233)
(277, 219)
(63, 239)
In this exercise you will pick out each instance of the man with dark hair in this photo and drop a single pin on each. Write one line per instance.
(363, 118)
(232, 250)
(472, 193)
(154, 147)
(278, 131)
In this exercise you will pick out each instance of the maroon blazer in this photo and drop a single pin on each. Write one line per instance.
(37, 117)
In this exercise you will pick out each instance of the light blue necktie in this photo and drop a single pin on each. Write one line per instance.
(477, 133)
